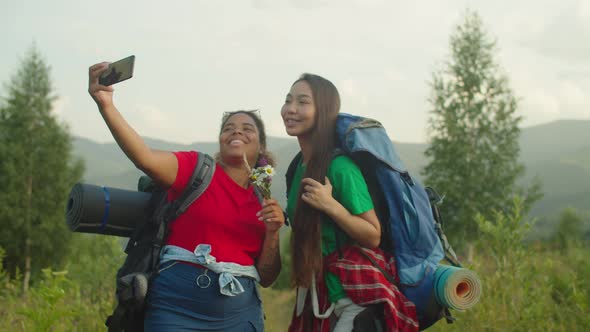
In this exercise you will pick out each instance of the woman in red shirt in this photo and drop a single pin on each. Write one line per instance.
(225, 243)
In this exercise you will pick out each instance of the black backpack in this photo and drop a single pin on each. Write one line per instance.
(143, 248)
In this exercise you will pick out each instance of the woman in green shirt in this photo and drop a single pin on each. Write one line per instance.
(328, 203)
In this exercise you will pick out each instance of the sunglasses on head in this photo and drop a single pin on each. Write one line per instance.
(226, 115)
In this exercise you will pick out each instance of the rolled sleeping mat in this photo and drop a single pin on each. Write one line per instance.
(105, 210)
(455, 287)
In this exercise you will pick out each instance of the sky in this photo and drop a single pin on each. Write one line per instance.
(197, 59)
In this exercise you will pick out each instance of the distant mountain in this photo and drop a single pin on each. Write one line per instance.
(558, 153)
(554, 140)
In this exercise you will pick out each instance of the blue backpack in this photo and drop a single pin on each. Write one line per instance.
(410, 222)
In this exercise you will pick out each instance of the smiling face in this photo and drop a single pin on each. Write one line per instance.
(299, 110)
(239, 135)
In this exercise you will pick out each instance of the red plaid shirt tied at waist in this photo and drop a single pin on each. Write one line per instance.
(364, 284)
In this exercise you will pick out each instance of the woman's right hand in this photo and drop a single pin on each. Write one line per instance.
(102, 95)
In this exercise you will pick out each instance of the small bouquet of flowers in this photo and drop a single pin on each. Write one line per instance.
(261, 176)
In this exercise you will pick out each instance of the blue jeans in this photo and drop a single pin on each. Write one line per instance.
(185, 297)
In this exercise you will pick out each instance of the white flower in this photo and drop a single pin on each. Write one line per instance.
(261, 177)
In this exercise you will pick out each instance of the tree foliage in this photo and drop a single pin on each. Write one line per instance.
(570, 232)
(37, 170)
(524, 287)
(474, 131)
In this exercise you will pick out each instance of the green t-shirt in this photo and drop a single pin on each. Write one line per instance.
(350, 189)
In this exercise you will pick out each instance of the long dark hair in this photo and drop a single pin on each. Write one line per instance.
(306, 235)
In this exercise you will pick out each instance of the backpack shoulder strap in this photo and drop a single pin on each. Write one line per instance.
(289, 180)
(338, 152)
(386, 274)
(293, 166)
(198, 183)
(291, 171)
(435, 200)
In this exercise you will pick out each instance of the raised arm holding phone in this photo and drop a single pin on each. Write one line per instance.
(227, 233)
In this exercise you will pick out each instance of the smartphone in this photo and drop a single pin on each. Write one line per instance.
(118, 71)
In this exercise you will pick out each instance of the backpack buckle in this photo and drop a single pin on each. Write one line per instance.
(133, 288)
(407, 178)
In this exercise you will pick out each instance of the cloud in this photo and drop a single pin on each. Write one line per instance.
(550, 102)
(394, 75)
(263, 4)
(583, 12)
(539, 106)
(572, 93)
(352, 97)
(579, 74)
(566, 36)
(152, 122)
(575, 102)
(297, 4)
(347, 86)
(196, 59)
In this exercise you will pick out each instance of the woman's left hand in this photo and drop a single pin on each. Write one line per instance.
(272, 215)
(318, 195)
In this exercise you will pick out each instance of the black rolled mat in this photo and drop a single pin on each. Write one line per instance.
(105, 210)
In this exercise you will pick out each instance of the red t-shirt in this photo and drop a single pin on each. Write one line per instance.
(224, 216)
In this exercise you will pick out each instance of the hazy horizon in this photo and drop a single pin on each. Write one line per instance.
(111, 140)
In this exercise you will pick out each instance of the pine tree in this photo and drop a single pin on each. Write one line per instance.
(474, 132)
(37, 171)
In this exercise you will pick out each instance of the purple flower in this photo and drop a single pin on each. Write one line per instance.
(262, 162)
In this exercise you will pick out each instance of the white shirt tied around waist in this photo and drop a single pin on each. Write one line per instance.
(229, 285)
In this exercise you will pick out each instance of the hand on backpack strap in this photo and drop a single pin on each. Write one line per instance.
(318, 195)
